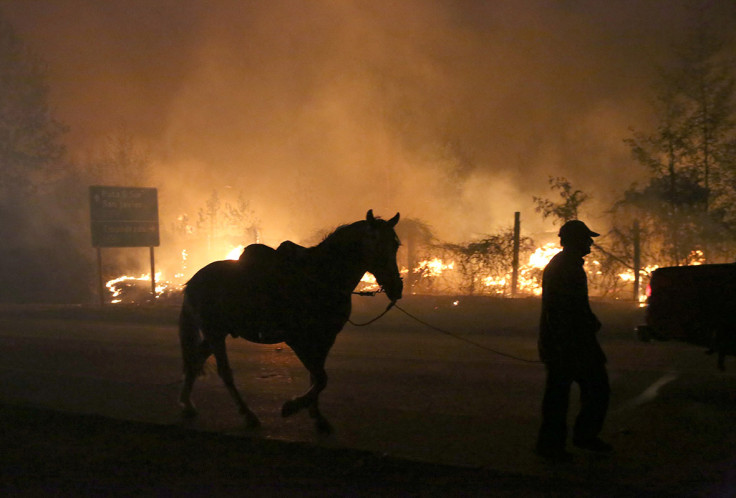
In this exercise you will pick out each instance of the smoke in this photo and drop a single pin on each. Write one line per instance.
(452, 112)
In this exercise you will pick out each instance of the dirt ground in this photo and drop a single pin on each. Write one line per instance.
(50, 448)
(50, 453)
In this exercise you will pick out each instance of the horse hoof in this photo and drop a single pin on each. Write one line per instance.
(251, 421)
(323, 426)
(290, 408)
(188, 411)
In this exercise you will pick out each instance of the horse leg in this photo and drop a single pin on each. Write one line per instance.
(190, 375)
(226, 374)
(315, 363)
(322, 424)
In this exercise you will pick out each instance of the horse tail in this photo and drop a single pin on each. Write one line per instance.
(189, 336)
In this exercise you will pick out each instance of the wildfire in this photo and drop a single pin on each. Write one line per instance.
(541, 256)
(119, 286)
(432, 275)
(368, 283)
(235, 253)
(433, 267)
(696, 257)
(529, 275)
(117, 290)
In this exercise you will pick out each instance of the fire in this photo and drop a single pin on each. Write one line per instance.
(119, 286)
(433, 267)
(542, 255)
(235, 252)
(433, 275)
(696, 257)
(116, 290)
(529, 276)
(368, 283)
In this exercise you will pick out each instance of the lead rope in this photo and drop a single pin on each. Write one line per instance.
(442, 331)
(390, 305)
(464, 339)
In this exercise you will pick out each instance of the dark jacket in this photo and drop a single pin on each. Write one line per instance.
(568, 327)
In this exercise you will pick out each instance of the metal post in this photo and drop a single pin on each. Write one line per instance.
(101, 289)
(637, 259)
(515, 261)
(410, 258)
(153, 276)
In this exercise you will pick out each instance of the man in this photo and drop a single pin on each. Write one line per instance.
(569, 349)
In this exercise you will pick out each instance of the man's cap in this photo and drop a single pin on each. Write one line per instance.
(576, 229)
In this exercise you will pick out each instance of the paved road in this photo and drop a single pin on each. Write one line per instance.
(398, 388)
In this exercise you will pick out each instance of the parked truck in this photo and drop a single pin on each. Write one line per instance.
(694, 304)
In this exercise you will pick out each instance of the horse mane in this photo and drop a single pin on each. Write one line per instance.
(340, 233)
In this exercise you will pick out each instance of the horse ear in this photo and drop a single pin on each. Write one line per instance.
(393, 221)
(370, 216)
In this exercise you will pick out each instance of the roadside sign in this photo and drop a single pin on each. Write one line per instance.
(124, 216)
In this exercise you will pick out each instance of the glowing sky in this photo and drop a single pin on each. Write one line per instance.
(454, 112)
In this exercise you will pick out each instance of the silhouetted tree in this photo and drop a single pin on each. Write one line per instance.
(688, 202)
(567, 209)
(39, 211)
(120, 160)
(416, 237)
(486, 260)
(30, 144)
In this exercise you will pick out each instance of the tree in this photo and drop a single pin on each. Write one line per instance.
(220, 225)
(29, 134)
(571, 200)
(688, 202)
(485, 265)
(416, 236)
(39, 222)
(120, 160)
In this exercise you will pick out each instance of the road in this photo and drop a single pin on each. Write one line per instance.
(398, 388)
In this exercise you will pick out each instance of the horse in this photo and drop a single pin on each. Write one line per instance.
(296, 295)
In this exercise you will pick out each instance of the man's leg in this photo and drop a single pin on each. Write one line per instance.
(594, 397)
(553, 431)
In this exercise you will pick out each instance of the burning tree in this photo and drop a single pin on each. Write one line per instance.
(219, 227)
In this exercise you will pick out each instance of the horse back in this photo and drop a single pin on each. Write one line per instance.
(265, 295)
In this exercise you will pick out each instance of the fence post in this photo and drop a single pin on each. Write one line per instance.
(515, 261)
(637, 259)
(153, 276)
(101, 288)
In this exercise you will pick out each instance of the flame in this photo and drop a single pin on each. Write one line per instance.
(235, 253)
(162, 285)
(112, 285)
(529, 275)
(433, 267)
(696, 257)
(541, 256)
(368, 279)
(442, 275)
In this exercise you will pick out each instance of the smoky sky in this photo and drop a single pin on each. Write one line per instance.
(454, 112)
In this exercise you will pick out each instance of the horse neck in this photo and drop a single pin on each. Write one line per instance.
(338, 259)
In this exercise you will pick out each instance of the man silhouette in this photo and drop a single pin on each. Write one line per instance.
(569, 349)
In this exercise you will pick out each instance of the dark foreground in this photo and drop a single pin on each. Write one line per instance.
(50, 453)
(88, 408)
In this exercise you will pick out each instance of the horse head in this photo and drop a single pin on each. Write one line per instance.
(380, 254)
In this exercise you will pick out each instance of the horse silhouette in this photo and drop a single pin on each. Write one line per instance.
(297, 295)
